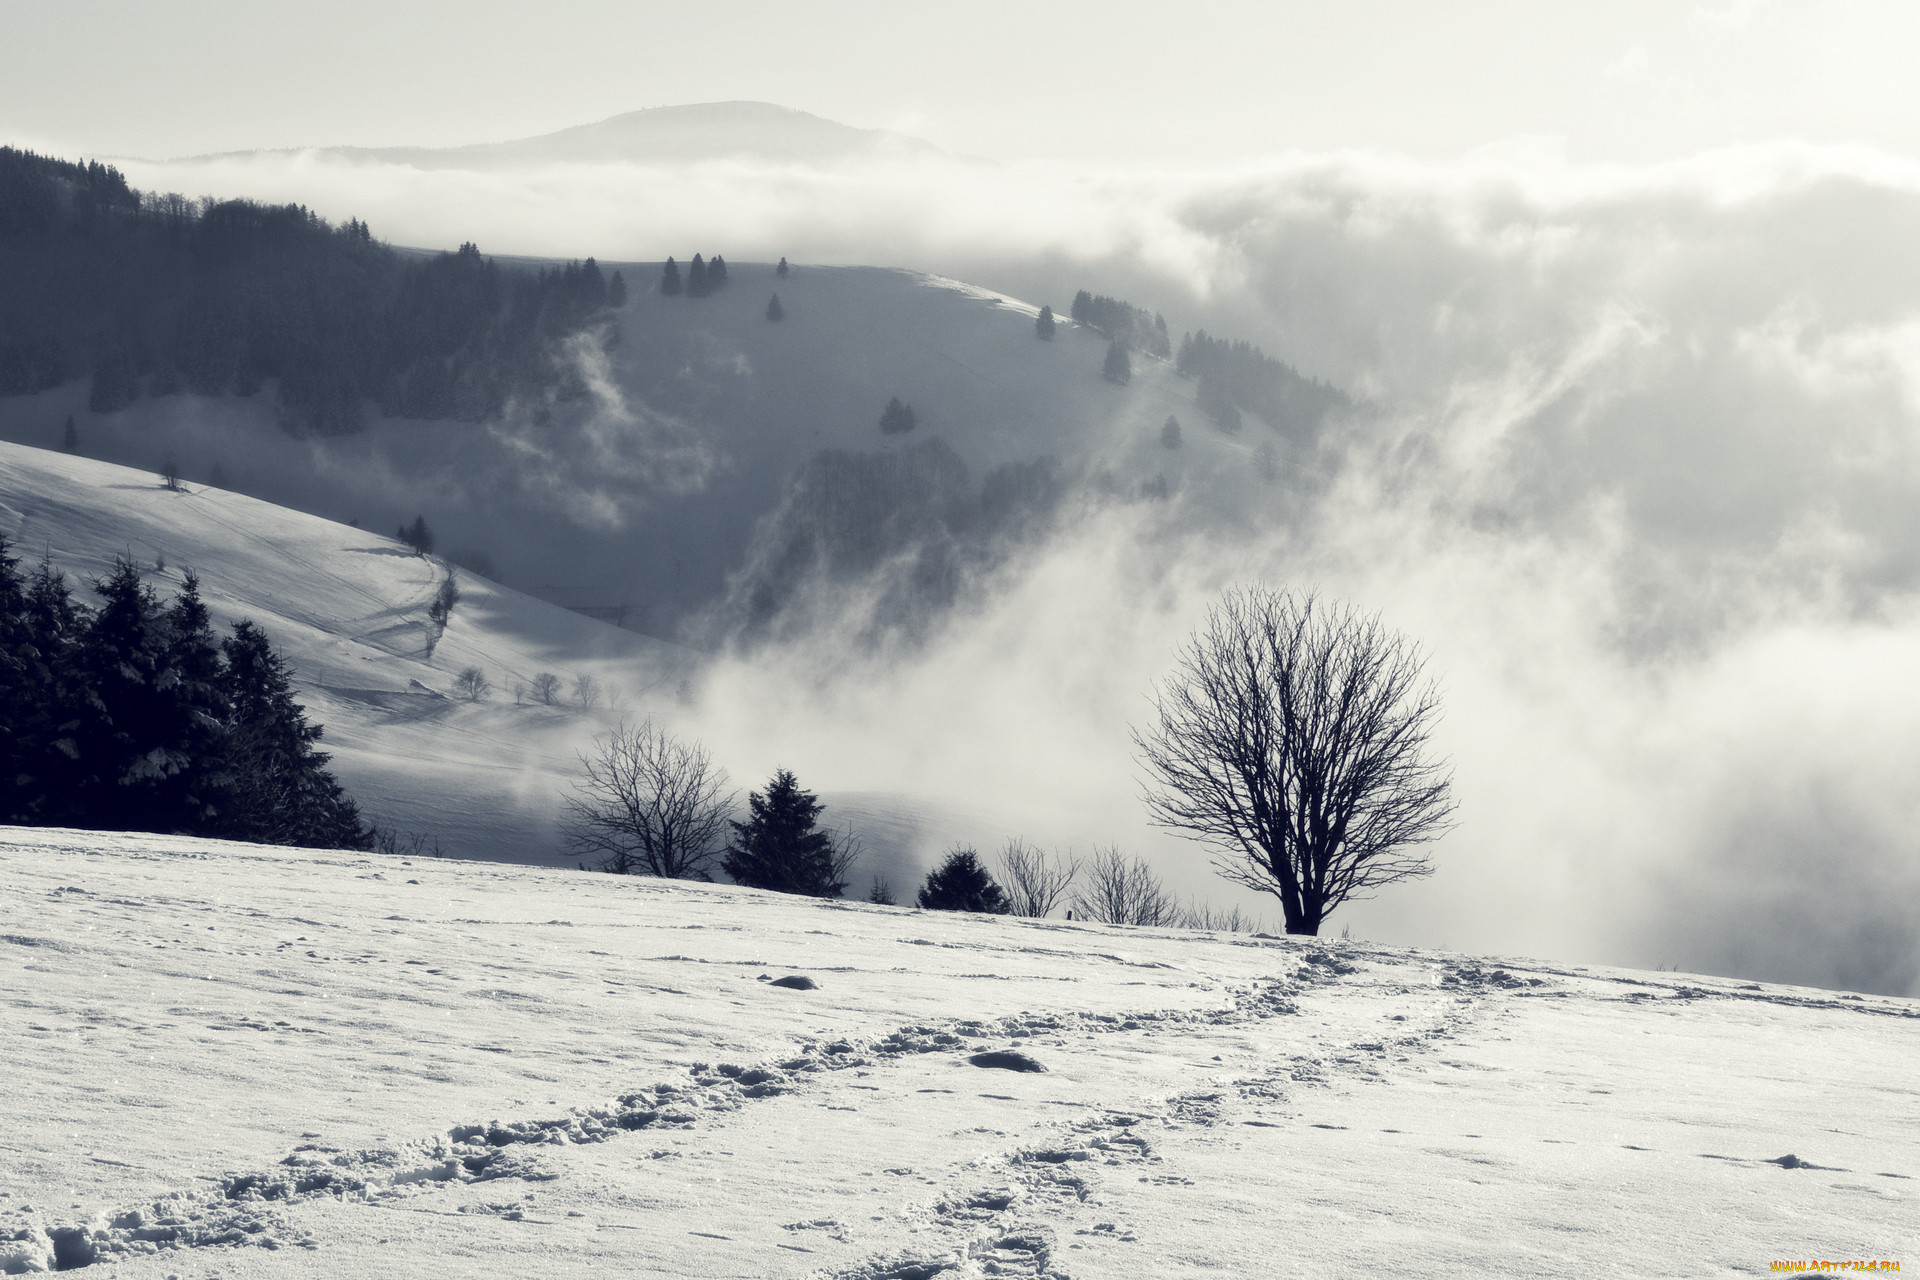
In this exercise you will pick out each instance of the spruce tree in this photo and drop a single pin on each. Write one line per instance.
(781, 270)
(961, 883)
(670, 279)
(1043, 326)
(134, 735)
(774, 310)
(1170, 433)
(281, 791)
(1118, 369)
(617, 291)
(897, 418)
(716, 273)
(70, 438)
(697, 284)
(779, 846)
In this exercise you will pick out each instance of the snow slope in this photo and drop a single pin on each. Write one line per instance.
(349, 609)
(238, 1061)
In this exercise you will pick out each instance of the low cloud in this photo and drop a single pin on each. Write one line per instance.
(1636, 455)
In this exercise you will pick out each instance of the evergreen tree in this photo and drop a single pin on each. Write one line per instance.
(716, 272)
(38, 696)
(137, 729)
(1082, 306)
(774, 310)
(192, 798)
(779, 846)
(1170, 433)
(281, 792)
(617, 291)
(670, 279)
(417, 535)
(1043, 326)
(698, 285)
(897, 418)
(70, 438)
(1118, 368)
(781, 270)
(962, 884)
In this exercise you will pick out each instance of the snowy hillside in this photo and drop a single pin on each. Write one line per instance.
(641, 496)
(236, 1061)
(349, 609)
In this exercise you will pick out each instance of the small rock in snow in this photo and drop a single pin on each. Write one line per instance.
(1006, 1060)
(796, 981)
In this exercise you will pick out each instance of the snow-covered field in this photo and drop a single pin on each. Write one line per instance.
(237, 1061)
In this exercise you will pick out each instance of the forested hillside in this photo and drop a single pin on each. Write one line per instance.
(156, 295)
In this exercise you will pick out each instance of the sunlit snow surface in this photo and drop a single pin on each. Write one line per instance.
(489, 1070)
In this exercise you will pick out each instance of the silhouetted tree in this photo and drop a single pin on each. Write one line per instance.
(617, 291)
(897, 418)
(1043, 325)
(648, 803)
(717, 272)
(1294, 738)
(781, 270)
(1118, 368)
(698, 286)
(70, 438)
(545, 687)
(1122, 890)
(670, 279)
(472, 684)
(170, 474)
(779, 847)
(1035, 883)
(417, 535)
(1170, 432)
(961, 883)
(881, 894)
(282, 792)
(774, 310)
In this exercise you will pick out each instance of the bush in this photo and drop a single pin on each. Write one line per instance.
(962, 884)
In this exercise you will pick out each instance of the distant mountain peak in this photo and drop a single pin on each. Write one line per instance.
(682, 134)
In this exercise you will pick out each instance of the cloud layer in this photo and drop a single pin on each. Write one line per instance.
(1635, 457)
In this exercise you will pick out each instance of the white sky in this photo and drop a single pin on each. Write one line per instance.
(1008, 79)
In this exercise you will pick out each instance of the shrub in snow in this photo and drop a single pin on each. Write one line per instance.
(962, 884)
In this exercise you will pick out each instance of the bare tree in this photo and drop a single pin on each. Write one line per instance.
(472, 684)
(847, 849)
(1034, 882)
(1204, 915)
(586, 692)
(649, 803)
(1294, 737)
(545, 687)
(1122, 890)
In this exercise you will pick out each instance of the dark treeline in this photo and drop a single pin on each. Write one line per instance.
(133, 716)
(1235, 376)
(1126, 324)
(153, 295)
(906, 523)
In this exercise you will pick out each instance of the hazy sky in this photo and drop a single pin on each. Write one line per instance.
(1007, 79)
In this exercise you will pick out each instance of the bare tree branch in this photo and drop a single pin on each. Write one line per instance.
(1035, 882)
(649, 804)
(1119, 890)
(1294, 737)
